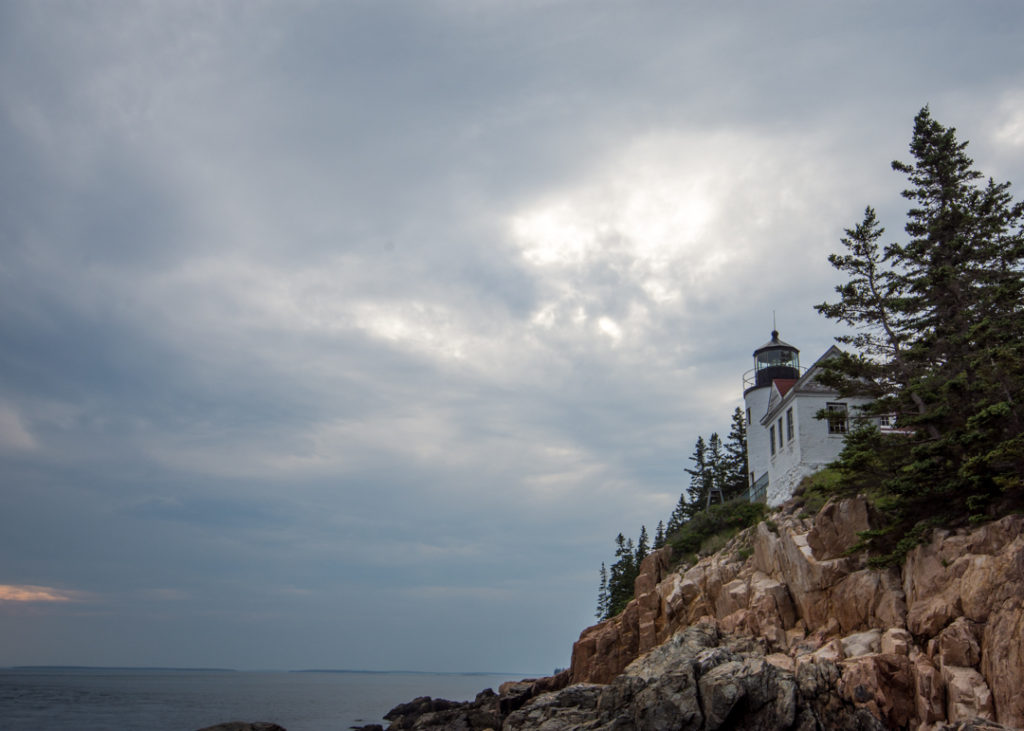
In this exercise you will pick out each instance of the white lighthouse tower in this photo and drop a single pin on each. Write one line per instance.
(775, 360)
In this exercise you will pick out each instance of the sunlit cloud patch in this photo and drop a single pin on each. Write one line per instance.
(31, 593)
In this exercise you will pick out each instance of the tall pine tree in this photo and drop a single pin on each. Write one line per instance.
(621, 575)
(602, 594)
(659, 535)
(734, 468)
(717, 468)
(940, 335)
(701, 477)
(680, 515)
(642, 547)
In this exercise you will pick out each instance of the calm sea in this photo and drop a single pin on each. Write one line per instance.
(62, 699)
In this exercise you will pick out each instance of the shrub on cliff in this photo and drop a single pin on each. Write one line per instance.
(710, 528)
(723, 520)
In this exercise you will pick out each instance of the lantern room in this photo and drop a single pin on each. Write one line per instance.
(775, 359)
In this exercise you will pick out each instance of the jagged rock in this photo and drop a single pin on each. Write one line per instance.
(748, 693)
(896, 641)
(990, 581)
(820, 641)
(573, 707)
(783, 662)
(651, 614)
(929, 689)
(968, 575)
(435, 714)
(958, 644)
(884, 684)
(514, 695)
(669, 701)
(960, 595)
(1002, 661)
(820, 706)
(867, 599)
(653, 569)
(967, 694)
(732, 597)
(486, 711)
(604, 650)
(772, 610)
(836, 527)
(831, 651)
(862, 643)
(701, 679)
(787, 557)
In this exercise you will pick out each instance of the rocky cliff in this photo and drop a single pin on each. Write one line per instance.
(939, 640)
(782, 630)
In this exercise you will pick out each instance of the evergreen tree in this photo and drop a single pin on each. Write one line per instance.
(700, 479)
(871, 298)
(621, 575)
(870, 302)
(642, 547)
(734, 473)
(940, 321)
(602, 595)
(659, 535)
(680, 515)
(716, 468)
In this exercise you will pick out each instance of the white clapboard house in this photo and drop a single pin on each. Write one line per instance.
(785, 439)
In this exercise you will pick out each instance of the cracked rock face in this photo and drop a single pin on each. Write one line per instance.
(937, 640)
(701, 680)
(791, 633)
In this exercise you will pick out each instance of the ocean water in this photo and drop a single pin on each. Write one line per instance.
(94, 699)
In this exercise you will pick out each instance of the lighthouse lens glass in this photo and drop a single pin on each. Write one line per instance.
(776, 358)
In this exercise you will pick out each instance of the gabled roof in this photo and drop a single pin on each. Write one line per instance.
(784, 384)
(785, 389)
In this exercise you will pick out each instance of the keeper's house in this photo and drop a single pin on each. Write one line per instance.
(785, 439)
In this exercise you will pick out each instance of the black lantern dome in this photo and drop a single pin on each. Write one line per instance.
(775, 359)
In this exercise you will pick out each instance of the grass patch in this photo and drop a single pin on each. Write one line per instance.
(816, 489)
(716, 542)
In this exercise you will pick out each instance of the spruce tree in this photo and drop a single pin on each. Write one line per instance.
(700, 479)
(659, 535)
(621, 575)
(642, 547)
(602, 595)
(680, 515)
(717, 469)
(734, 473)
(940, 339)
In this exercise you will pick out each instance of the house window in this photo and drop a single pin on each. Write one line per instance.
(748, 417)
(780, 431)
(837, 423)
(771, 432)
(789, 423)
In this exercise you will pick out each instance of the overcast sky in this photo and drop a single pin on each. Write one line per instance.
(349, 334)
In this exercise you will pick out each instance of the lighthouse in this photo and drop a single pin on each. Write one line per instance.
(773, 361)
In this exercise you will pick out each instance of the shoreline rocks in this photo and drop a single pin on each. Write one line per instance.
(782, 630)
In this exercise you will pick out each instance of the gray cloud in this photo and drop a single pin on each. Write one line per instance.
(332, 323)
